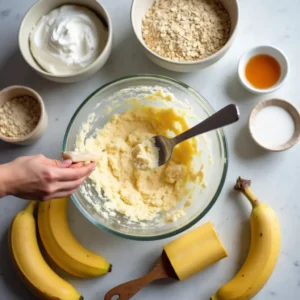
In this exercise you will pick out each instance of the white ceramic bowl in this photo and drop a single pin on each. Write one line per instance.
(20, 91)
(138, 11)
(43, 7)
(268, 50)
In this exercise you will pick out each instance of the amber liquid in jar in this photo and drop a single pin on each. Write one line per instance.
(262, 71)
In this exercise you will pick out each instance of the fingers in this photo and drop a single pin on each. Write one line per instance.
(59, 163)
(65, 163)
(62, 163)
(62, 178)
(77, 165)
(65, 186)
(74, 173)
(62, 189)
(59, 195)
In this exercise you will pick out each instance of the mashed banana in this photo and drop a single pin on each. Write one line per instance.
(145, 155)
(139, 194)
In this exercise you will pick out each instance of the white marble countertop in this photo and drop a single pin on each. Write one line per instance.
(275, 176)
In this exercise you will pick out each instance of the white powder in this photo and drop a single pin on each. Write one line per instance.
(273, 126)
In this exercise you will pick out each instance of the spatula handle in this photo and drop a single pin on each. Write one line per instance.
(128, 289)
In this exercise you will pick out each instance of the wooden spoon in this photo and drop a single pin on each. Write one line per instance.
(181, 259)
(125, 291)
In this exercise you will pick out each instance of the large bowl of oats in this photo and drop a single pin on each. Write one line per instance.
(185, 35)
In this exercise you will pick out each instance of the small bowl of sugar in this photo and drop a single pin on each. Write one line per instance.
(23, 118)
(275, 125)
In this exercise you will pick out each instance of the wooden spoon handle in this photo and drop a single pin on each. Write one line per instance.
(128, 289)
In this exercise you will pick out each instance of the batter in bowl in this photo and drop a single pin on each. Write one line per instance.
(141, 194)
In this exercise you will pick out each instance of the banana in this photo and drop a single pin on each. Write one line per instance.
(62, 247)
(263, 253)
(29, 262)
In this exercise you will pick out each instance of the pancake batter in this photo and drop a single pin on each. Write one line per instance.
(141, 194)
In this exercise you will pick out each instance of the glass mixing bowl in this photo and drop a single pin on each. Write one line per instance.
(213, 155)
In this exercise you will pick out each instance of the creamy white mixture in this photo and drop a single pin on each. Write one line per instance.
(68, 39)
(159, 195)
(138, 194)
(174, 215)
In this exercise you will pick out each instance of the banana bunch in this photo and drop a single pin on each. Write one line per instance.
(60, 245)
(30, 264)
(263, 253)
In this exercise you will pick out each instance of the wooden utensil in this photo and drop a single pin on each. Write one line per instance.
(125, 291)
(80, 156)
(181, 259)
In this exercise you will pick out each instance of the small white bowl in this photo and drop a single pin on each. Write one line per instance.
(138, 11)
(268, 50)
(43, 7)
(293, 113)
(36, 133)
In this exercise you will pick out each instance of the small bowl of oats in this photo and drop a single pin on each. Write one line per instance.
(23, 118)
(185, 35)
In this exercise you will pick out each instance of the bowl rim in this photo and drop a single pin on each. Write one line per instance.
(203, 60)
(40, 101)
(221, 136)
(87, 68)
(256, 50)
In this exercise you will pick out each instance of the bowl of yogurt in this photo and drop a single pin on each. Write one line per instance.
(66, 42)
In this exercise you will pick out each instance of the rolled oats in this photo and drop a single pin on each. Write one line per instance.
(19, 116)
(186, 30)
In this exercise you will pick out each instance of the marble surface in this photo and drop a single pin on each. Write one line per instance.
(275, 175)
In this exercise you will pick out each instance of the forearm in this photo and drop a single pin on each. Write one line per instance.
(4, 180)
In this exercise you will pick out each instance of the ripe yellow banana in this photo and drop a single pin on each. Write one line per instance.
(30, 264)
(263, 253)
(62, 247)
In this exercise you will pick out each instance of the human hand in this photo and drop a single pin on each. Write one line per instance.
(40, 178)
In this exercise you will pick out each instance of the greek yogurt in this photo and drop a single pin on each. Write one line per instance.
(68, 39)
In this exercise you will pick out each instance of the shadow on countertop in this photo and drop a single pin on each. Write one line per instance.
(236, 91)
(245, 147)
(15, 71)
(244, 232)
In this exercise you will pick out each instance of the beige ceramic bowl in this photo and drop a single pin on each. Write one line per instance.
(138, 11)
(43, 7)
(19, 91)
